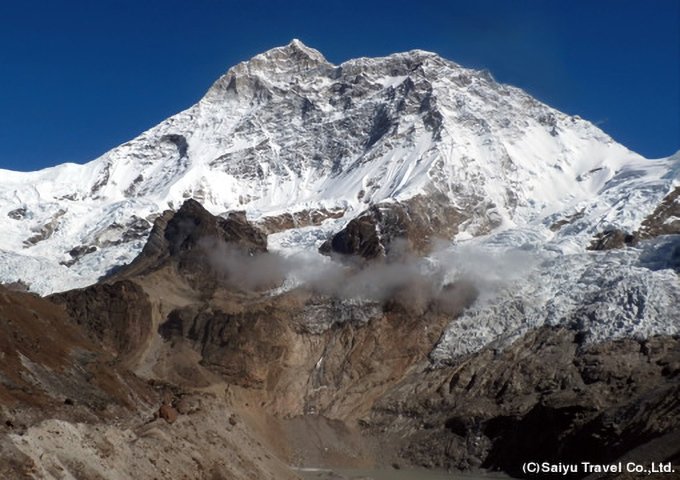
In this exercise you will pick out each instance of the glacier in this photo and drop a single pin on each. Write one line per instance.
(287, 131)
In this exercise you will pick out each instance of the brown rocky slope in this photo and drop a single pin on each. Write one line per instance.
(257, 372)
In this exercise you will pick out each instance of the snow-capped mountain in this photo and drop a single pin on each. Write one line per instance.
(289, 132)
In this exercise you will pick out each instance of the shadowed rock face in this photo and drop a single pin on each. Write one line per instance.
(360, 237)
(182, 240)
(664, 220)
(546, 398)
(51, 369)
(363, 364)
(117, 315)
(611, 239)
(192, 223)
(396, 227)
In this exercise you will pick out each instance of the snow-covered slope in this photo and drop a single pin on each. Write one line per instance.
(287, 131)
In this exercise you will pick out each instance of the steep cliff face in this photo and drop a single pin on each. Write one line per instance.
(360, 373)
(50, 367)
(372, 159)
(394, 251)
(287, 132)
(117, 316)
(548, 397)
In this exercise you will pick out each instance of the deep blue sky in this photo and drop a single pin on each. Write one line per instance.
(80, 77)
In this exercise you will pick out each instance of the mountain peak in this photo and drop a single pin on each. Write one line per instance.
(277, 64)
(297, 45)
(295, 53)
(287, 131)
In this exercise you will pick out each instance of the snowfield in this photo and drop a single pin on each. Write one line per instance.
(287, 131)
(602, 295)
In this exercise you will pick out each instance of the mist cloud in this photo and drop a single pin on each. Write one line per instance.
(446, 281)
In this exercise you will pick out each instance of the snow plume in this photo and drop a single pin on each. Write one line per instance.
(238, 268)
(405, 279)
(489, 270)
(447, 281)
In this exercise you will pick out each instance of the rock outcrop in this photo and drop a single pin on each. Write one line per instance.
(547, 398)
(117, 315)
(180, 237)
(395, 228)
(293, 362)
(51, 369)
(664, 220)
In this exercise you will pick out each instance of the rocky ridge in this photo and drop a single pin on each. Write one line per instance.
(288, 132)
(489, 266)
(356, 373)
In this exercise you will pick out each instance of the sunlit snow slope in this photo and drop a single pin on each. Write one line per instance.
(287, 131)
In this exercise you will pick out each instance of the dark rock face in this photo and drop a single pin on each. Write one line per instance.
(360, 237)
(134, 228)
(47, 230)
(611, 239)
(118, 315)
(395, 227)
(18, 213)
(546, 398)
(665, 220)
(192, 223)
(381, 125)
(155, 247)
(179, 141)
(51, 369)
(559, 223)
(179, 238)
(79, 252)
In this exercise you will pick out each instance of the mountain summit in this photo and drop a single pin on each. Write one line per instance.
(352, 158)
(395, 261)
